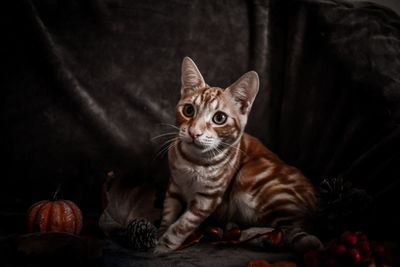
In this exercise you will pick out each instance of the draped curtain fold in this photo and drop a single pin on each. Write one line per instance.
(89, 84)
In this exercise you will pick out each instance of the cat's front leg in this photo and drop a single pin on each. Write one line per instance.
(198, 210)
(171, 209)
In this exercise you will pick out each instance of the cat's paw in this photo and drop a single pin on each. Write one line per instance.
(161, 249)
(306, 243)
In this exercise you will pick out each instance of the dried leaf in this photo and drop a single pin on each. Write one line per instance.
(124, 203)
(194, 238)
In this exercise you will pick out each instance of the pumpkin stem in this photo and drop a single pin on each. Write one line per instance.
(55, 196)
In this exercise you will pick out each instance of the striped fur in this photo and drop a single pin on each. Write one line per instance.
(218, 170)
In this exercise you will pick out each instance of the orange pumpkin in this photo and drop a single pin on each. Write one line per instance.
(54, 216)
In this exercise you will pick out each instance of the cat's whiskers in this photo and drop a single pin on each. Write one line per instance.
(218, 151)
(212, 153)
(170, 125)
(166, 146)
(215, 152)
(233, 146)
(172, 145)
(164, 134)
(168, 141)
(163, 151)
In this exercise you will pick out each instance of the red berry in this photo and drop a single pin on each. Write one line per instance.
(337, 250)
(233, 234)
(354, 255)
(348, 239)
(364, 249)
(361, 237)
(214, 233)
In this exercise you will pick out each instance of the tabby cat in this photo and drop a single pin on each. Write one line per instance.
(217, 169)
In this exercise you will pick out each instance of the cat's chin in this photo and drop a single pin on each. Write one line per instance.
(195, 147)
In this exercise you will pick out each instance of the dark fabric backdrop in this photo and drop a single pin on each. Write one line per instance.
(86, 85)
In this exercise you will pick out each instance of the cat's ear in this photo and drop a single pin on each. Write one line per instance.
(191, 77)
(244, 91)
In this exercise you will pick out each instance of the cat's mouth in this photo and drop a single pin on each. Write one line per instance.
(197, 144)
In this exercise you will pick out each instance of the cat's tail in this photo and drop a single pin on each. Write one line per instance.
(295, 238)
(301, 241)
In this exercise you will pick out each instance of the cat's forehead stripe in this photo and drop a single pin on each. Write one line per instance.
(197, 100)
(210, 95)
(214, 103)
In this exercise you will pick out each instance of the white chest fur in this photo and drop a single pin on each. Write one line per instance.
(192, 179)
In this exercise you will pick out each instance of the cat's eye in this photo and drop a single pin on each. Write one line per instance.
(219, 118)
(188, 110)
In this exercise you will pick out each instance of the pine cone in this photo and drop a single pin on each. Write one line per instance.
(332, 190)
(341, 207)
(335, 192)
(142, 234)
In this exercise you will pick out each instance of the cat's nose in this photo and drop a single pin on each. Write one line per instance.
(195, 133)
